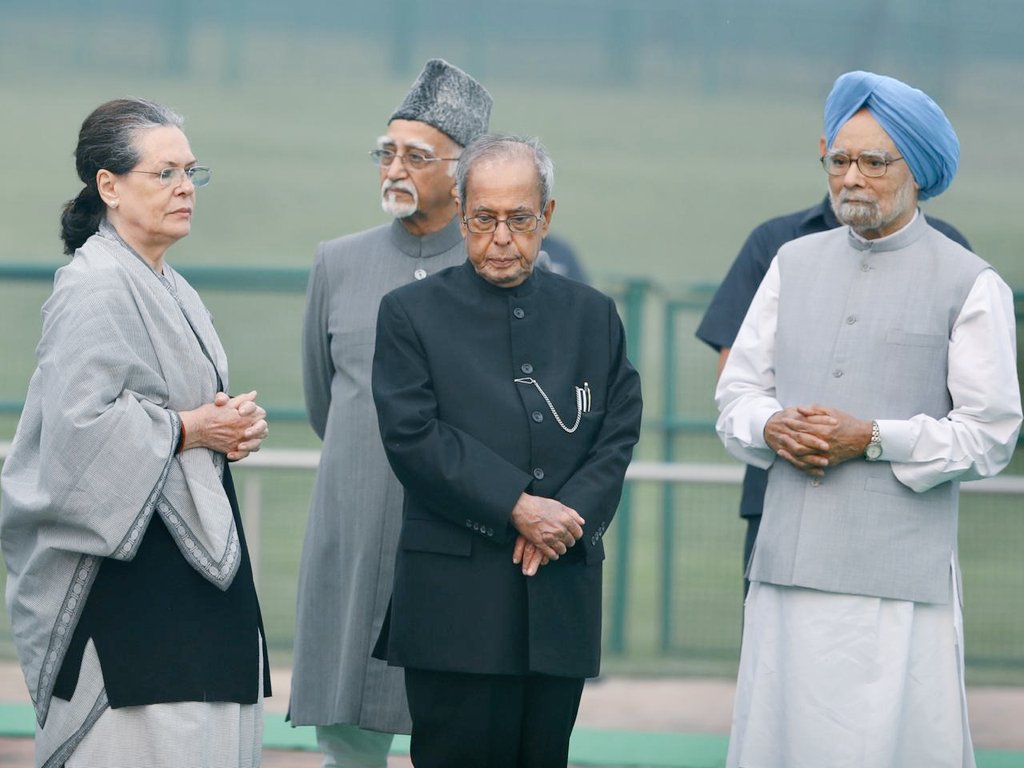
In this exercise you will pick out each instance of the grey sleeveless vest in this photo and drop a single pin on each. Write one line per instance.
(864, 326)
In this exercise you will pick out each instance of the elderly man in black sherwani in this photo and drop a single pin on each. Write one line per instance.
(509, 412)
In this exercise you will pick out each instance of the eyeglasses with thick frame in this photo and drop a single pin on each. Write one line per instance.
(199, 175)
(415, 160)
(519, 223)
(870, 164)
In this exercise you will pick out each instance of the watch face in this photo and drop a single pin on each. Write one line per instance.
(873, 452)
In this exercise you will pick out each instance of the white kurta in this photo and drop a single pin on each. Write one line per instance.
(848, 680)
(974, 441)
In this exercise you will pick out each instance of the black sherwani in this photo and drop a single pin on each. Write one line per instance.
(465, 439)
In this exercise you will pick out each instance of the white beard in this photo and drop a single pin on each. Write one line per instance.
(391, 205)
(865, 216)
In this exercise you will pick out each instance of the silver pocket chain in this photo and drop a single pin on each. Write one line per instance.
(582, 402)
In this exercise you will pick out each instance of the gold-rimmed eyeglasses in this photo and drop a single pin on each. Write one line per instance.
(870, 164)
(415, 160)
(485, 224)
(199, 175)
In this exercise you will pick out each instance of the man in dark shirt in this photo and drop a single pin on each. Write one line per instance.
(722, 320)
(564, 260)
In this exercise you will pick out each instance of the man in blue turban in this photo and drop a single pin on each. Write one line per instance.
(727, 308)
(875, 370)
(915, 123)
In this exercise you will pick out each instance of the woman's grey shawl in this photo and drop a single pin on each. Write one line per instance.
(94, 454)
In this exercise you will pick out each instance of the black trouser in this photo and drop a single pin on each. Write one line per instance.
(491, 721)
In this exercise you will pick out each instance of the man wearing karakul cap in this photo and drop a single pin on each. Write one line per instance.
(875, 370)
(347, 566)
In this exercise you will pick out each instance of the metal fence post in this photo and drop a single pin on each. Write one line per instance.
(669, 426)
(634, 299)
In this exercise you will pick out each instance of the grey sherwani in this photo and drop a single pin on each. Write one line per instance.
(348, 558)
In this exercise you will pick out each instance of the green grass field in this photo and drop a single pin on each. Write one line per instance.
(653, 181)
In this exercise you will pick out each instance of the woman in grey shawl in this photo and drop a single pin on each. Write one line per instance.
(129, 586)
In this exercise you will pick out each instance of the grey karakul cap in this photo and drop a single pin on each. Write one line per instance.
(450, 100)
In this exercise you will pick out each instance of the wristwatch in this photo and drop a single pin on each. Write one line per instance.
(873, 452)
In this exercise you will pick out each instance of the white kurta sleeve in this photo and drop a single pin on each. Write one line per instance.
(976, 439)
(745, 394)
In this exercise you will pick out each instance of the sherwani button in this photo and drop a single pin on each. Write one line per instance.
(519, 313)
(419, 274)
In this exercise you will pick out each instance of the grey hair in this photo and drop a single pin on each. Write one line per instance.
(107, 141)
(494, 146)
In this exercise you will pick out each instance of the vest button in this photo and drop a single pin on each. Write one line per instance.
(526, 368)
(537, 416)
(519, 313)
(538, 473)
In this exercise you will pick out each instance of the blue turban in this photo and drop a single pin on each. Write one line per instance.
(915, 123)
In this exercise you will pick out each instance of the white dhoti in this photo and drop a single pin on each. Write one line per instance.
(847, 681)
